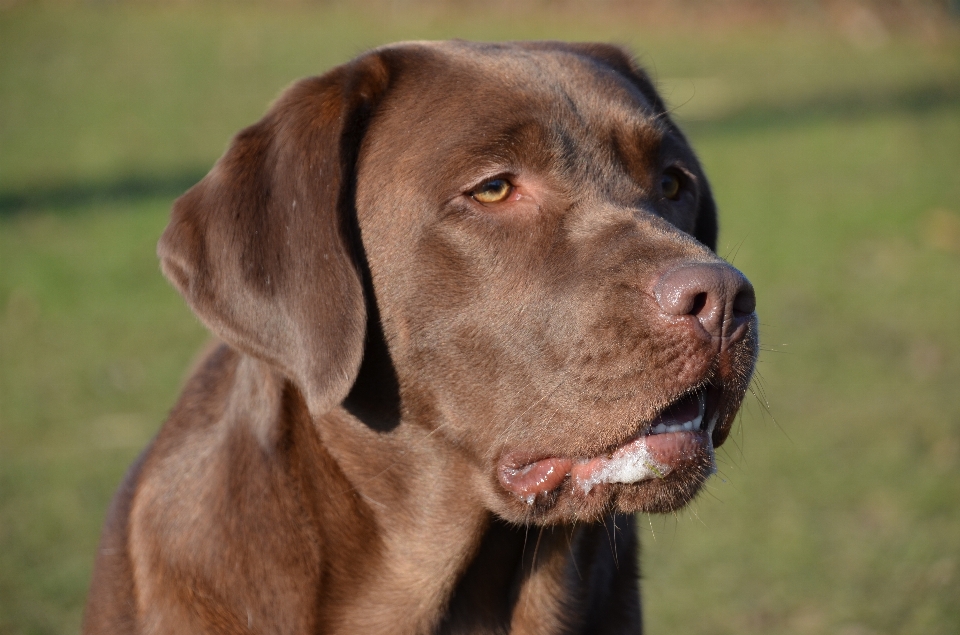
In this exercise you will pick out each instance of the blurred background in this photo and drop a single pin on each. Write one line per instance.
(831, 133)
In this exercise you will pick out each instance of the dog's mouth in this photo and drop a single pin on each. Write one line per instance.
(681, 433)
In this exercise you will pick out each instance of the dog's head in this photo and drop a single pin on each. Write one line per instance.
(529, 234)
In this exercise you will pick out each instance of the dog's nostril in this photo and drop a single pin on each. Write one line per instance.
(745, 303)
(714, 294)
(699, 302)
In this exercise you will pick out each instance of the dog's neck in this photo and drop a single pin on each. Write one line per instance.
(416, 550)
(428, 527)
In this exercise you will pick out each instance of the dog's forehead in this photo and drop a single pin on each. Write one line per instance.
(457, 109)
(486, 77)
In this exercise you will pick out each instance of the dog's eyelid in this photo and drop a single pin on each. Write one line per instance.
(680, 170)
(476, 184)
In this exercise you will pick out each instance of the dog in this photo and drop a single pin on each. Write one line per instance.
(471, 320)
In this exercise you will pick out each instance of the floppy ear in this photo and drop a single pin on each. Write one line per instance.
(620, 60)
(261, 247)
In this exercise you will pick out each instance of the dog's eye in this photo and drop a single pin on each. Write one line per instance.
(670, 186)
(492, 191)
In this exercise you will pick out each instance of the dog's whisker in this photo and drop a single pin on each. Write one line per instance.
(536, 547)
(375, 502)
(759, 395)
(736, 249)
(616, 554)
(650, 522)
(573, 556)
(526, 535)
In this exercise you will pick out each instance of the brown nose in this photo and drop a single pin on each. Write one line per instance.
(716, 295)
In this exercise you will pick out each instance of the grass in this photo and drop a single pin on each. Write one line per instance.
(835, 168)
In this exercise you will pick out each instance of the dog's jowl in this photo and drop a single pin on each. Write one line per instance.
(470, 321)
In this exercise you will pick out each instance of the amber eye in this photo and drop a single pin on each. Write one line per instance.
(670, 186)
(492, 191)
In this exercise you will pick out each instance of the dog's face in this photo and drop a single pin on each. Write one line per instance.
(517, 211)
(530, 217)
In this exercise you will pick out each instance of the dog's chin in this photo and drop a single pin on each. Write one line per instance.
(666, 494)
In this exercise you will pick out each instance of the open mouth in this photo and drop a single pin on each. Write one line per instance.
(680, 434)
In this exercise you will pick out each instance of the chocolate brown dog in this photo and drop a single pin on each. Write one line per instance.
(473, 321)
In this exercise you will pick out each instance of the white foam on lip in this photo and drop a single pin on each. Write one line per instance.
(630, 466)
(637, 464)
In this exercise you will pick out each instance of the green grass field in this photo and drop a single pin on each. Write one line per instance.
(837, 170)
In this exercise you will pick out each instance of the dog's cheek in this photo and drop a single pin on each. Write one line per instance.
(469, 325)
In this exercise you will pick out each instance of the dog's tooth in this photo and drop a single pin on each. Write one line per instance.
(660, 429)
(698, 421)
(688, 425)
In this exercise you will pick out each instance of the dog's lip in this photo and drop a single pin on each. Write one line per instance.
(681, 430)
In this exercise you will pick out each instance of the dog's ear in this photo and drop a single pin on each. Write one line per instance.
(620, 60)
(261, 248)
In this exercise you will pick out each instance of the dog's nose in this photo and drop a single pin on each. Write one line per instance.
(716, 295)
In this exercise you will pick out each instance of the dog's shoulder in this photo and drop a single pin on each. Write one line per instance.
(213, 509)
